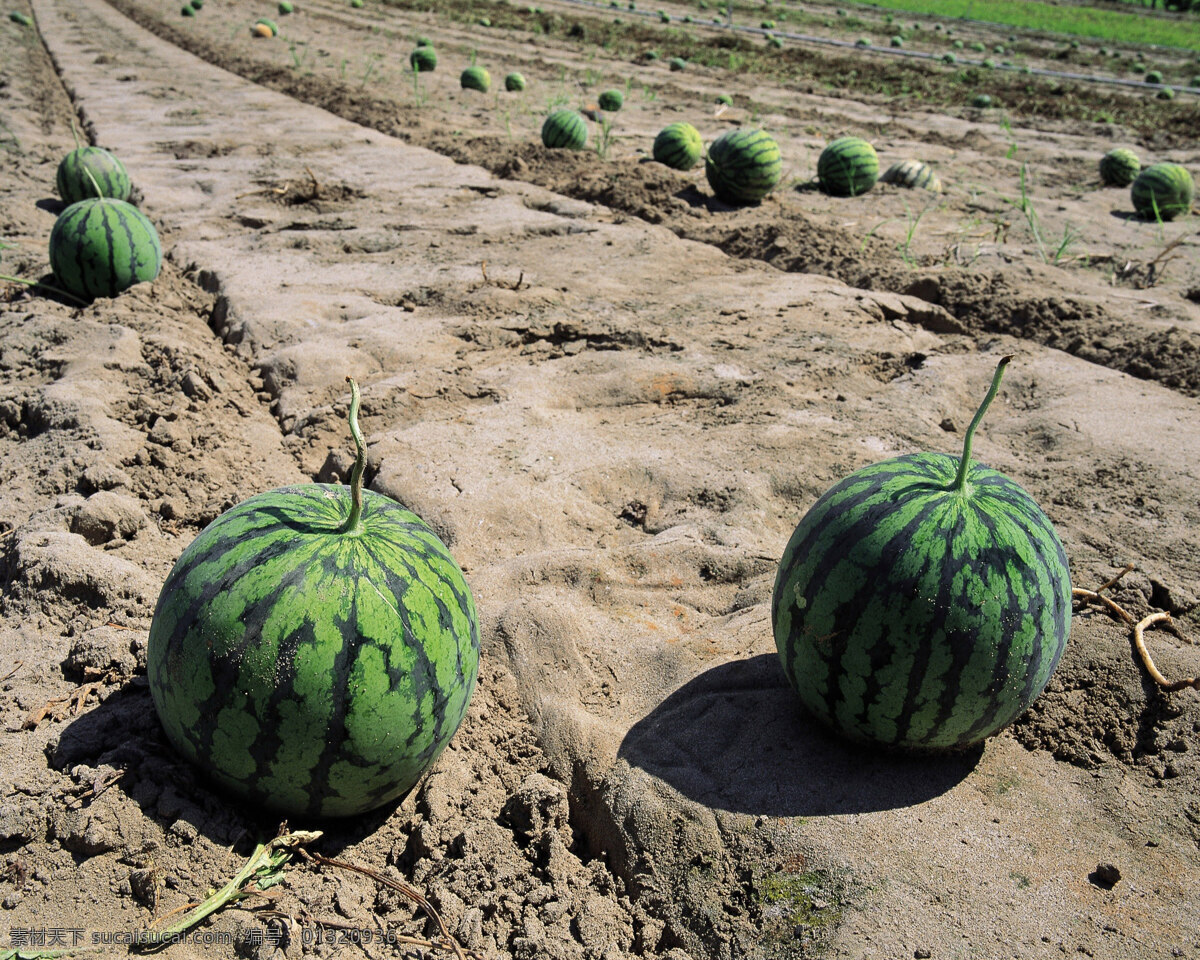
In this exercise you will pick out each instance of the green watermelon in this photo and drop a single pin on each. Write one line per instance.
(912, 174)
(1153, 76)
(264, 27)
(315, 648)
(743, 165)
(514, 83)
(187, 10)
(923, 602)
(107, 174)
(356, 4)
(677, 63)
(101, 246)
(285, 7)
(21, 18)
(1166, 93)
(611, 100)
(981, 101)
(1163, 191)
(724, 99)
(897, 41)
(1119, 167)
(423, 59)
(678, 146)
(564, 129)
(475, 78)
(847, 167)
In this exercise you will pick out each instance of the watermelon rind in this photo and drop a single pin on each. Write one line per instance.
(611, 100)
(16, 16)
(107, 173)
(1163, 191)
(678, 146)
(514, 83)
(269, 25)
(912, 174)
(848, 167)
(743, 165)
(564, 129)
(100, 247)
(1119, 167)
(423, 59)
(475, 78)
(914, 614)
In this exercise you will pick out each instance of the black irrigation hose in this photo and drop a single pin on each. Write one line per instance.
(893, 52)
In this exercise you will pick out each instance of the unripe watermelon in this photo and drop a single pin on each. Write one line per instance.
(1153, 76)
(285, 7)
(611, 100)
(16, 16)
(356, 4)
(475, 78)
(514, 83)
(100, 247)
(848, 167)
(423, 59)
(981, 101)
(678, 146)
(743, 165)
(912, 174)
(923, 602)
(1163, 191)
(677, 63)
(314, 652)
(1119, 167)
(187, 10)
(107, 173)
(564, 129)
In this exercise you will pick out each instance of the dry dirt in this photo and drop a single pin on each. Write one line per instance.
(614, 398)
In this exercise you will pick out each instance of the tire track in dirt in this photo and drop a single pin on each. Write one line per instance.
(978, 302)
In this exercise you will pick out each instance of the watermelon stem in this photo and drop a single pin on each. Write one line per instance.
(960, 481)
(353, 524)
(99, 192)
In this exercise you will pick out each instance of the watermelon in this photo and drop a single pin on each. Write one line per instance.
(314, 649)
(265, 28)
(847, 167)
(912, 174)
(677, 63)
(1166, 93)
(612, 100)
(897, 41)
(981, 101)
(475, 78)
(85, 170)
(724, 99)
(101, 246)
(285, 7)
(422, 41)
(678, 146)
(949, 58)
(1119, 167)
(1163, 191)
(356, 4)
(187, 10)
(743, 165)
(923, 602)
(514, 83)
(564, 129)
(22, 18)
(1154, 76)
(423, 59)
(197, 4)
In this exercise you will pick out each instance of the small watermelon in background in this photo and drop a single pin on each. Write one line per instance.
(514, 83)
(197, 4)
(285, 7)
(677, 63)
(101, 246)
(564, 129)
(356, 4)
(1153, 76)
(86, 170)
(1166, 93)
(315, 648)
(1163, 191)
(912, 174)
(724, 99)
(265, 28)
(981, 101)
(848, 167)
(923, 602)
(187, 10)
(475, 78)
(23, 19)
(611, 100)
(1119, 167)
(897, 41)
(949, 58)
(743, 165)
(423, 59)
(678, 146)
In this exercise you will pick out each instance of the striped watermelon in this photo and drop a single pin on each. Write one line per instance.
(912, 174)
(1163, 191)
(475, 78)
(611, 100)
(423, 59)
(106, 173)
(923, 601)
(102, 246)
(564, 129)
(743, 165)
(315, 648)
(514, 83)
(678, 146)
(848, 167)
(1119, 167)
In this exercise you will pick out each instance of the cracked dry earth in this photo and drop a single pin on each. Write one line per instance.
(613, 407)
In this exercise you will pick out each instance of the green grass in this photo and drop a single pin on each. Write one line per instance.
(1110, 25)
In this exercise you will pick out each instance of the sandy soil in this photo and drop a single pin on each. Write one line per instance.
(613, 397)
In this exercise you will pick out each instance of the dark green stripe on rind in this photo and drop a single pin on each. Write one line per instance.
(311, 670)
(743, 166)
(100, 247)
(909, 614)
(109, 174)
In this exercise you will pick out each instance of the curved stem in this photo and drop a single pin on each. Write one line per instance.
(960, 481)
(353, 522)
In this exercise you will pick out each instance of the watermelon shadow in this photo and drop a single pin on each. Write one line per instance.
(51, 205)
(736, 738)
